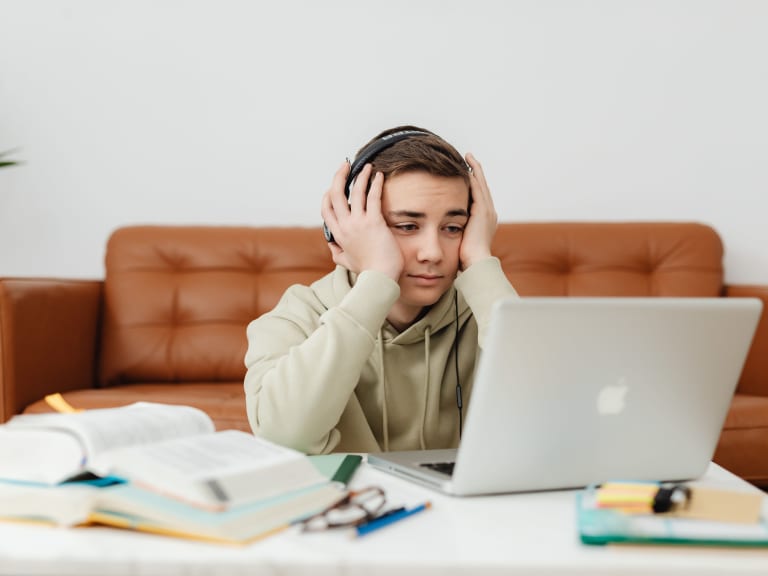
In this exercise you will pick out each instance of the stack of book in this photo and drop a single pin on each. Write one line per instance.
(655, 513)
(156, 468)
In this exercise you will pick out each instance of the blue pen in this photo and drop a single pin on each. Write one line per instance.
(390, 518)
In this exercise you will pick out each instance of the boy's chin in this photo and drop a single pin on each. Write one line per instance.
(424, 299)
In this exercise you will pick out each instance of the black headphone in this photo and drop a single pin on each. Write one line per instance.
(368, 154)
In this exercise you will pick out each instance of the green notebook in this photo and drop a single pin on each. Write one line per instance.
(337, 467)
(606, 526)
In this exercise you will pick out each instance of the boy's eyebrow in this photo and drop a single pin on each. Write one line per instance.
(406, 214)
(416, 215)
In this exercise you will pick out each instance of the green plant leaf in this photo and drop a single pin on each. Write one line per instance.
(4, 163)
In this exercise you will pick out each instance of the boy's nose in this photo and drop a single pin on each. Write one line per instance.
(431, 249)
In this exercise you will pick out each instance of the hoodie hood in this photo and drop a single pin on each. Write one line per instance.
(440, 315)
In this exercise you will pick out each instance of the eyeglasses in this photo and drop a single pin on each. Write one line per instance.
(357, 507)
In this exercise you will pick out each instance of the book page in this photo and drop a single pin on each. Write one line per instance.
(38, 455)
(229, 466)
(200, 458)
(106, 429)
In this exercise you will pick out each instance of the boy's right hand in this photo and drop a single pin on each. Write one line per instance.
(362, 238)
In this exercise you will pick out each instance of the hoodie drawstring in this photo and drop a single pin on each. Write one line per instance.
(384, 399)
(384, 419)
(427, 334)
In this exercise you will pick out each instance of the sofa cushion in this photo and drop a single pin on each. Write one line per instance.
(743, 444)
(177, 299)
(223, 401)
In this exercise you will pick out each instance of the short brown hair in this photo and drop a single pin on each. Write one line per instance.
(419, 152)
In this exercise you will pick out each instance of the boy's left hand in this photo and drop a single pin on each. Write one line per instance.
(483, 220)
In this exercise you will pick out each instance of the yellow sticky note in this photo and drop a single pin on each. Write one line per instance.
(628, 496)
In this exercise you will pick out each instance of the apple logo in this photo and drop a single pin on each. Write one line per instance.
(612, 399)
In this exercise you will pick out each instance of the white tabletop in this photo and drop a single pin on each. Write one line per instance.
(511, 535)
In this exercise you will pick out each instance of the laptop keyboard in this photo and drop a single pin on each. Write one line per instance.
(442, 467)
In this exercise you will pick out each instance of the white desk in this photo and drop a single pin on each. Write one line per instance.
(510, 535)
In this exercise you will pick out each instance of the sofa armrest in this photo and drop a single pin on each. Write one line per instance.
(48, 338)
(754, 377)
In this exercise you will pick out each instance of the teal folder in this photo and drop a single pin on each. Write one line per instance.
(608, 526)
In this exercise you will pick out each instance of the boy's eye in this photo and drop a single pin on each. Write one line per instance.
(454, 229)
(406, 227)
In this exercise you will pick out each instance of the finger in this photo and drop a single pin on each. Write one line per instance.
(340, 177)
(338, 199)
(326, 211)
(374, 195)
(477, 170)
(357, 196)
(325, 206)
(480, 191)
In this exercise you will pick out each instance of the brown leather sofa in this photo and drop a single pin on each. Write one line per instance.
(167, 323)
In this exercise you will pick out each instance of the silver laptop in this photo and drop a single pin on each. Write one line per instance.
(574, 391)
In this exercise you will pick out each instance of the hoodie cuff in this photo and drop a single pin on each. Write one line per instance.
(482, 284)
(370, 300)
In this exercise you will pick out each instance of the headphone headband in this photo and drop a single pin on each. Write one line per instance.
(373, 150)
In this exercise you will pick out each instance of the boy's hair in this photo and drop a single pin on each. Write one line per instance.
(419, 152)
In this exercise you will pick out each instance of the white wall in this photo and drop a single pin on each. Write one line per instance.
(236, 111)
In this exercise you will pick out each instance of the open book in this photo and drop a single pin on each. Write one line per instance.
(171, 450)
(131, 507)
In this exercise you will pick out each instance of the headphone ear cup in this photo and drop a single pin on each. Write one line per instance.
(327, 233)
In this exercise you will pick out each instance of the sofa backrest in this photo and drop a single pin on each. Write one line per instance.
(177, 299)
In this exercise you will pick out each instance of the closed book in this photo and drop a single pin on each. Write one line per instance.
(131, 507)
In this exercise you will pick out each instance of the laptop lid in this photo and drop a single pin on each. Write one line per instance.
(574, 391)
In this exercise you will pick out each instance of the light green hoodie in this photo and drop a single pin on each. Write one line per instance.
(327, 372)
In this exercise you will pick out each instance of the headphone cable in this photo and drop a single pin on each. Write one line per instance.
(459, 403)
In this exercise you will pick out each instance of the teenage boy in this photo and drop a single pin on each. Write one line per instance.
(380, 353)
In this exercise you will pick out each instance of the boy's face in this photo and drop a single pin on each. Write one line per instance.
(427, 215)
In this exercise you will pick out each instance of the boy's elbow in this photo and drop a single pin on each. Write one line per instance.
(300, 441)
(294, 436)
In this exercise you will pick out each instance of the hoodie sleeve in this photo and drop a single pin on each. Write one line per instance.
(481, 285)
(304, 362)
